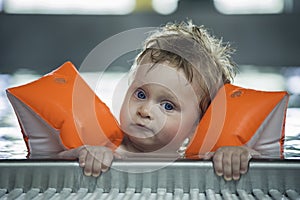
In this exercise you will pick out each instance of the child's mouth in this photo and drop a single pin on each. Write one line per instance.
(143, 131)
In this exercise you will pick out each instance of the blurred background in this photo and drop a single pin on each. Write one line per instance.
(41, 34)
(36, 36)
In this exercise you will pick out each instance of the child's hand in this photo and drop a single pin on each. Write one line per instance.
(95, 159)
(232, 161)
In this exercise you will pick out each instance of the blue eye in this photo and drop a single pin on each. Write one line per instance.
(168, 106)
(140, 94)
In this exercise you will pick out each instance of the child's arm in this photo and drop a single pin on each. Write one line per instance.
(232, 161)
(93, 159)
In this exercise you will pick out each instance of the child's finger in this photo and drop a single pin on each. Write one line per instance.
(97, 160)
(218, 163)
(227, 166)
(245, 157)
(82, 157)
(107, 160)
(236, 164)
(88, 164)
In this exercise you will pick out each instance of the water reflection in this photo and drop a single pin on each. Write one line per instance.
(11, 142)
(13, 147)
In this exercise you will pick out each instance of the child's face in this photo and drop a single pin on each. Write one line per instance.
(160, 106)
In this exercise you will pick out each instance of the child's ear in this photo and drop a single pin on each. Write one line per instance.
(239, 116)
(60, 111)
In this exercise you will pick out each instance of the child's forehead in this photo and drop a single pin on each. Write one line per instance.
(162, 74)
(147, 65)
(162, 71)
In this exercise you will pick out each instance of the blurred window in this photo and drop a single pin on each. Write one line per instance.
(165, 7)
(249, 6)
(97, 7)
(1, 5)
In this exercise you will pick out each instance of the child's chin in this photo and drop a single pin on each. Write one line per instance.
(145, 144)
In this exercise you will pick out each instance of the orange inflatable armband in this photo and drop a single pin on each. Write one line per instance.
(239, 116)
(60, 111)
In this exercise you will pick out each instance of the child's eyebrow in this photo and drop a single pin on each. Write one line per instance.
(170, 96)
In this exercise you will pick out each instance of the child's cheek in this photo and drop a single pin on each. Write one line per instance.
(124, 115)
(171, 127)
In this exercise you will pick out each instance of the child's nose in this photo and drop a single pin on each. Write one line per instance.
(144, 111)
